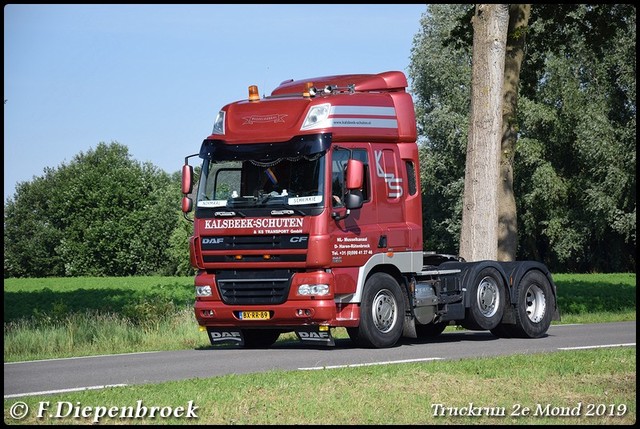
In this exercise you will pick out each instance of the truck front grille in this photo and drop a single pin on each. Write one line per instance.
(253, 287)
(255, 242)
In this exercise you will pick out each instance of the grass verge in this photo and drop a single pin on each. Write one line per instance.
(91, 316)
(595, 387)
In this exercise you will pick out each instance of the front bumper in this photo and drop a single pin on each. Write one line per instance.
(288, 314)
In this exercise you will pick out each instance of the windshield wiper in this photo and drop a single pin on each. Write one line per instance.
(263, 199)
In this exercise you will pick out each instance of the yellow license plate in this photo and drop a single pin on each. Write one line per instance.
(255, 315)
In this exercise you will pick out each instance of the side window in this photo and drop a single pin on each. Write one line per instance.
(338, 169)
(411, 178)
(338, 165)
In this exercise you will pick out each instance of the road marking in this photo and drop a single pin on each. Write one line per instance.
(77, 389)
(80, 357)
(597, 347)
(353, 365)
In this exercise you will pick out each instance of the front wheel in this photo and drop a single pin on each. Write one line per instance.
(381, 313)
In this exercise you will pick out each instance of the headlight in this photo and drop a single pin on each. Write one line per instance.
(203, 290)
(317, 290)
(316, 117)
(218, 125)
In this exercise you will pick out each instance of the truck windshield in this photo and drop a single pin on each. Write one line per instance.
(279, 182)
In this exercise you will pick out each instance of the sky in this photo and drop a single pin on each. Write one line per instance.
(153, 77)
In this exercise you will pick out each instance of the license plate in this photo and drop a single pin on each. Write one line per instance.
(254, 315)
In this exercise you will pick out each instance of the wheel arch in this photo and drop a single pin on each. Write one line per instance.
(516, 272)
(394, 272)
(468, 272)
(400, 263)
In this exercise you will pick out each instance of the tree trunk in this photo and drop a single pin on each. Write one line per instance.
(479, 233)
(507, 214)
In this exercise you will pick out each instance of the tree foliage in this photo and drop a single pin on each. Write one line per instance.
(440, 71)
(102, 214)
(575, 162)
(579, 117)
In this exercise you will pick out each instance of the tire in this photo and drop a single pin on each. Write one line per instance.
(430, 330)
(487, 300)
(535, 306)
(259, 338)
(381, 313)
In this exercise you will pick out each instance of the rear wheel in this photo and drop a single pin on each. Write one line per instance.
(487, 300)
(381, 313)
(535, 305)
(259, 338)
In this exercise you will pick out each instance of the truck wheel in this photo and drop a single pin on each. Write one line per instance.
(535, 304)
(430, 330)
(487, 301)
(259, 338)
(381, 313)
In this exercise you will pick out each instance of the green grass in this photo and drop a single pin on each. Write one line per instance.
(601, 381)
(45, 299)
(68, 284)
(89, 334)
(596, 293)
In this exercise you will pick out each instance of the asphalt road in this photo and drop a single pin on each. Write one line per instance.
(60, 375)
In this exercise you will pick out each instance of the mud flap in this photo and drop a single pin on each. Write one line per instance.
(409, 327)
(312, 335)
(228, 336)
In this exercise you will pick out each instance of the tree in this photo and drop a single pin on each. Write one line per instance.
(479, 233)
(31, 239)
(574, 163)
(178, 251)
(507, 211)
(102, 214)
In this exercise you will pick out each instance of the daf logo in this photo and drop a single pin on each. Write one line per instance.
(313, 335)
(297, 239)
(226, 335)
(214, 240)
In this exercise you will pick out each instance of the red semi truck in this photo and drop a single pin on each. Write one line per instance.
(308, 217)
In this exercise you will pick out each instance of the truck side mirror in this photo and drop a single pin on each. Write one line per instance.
(353, 200)
(187, 179)
(355, 174)
(187, 205)
(355, 179)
